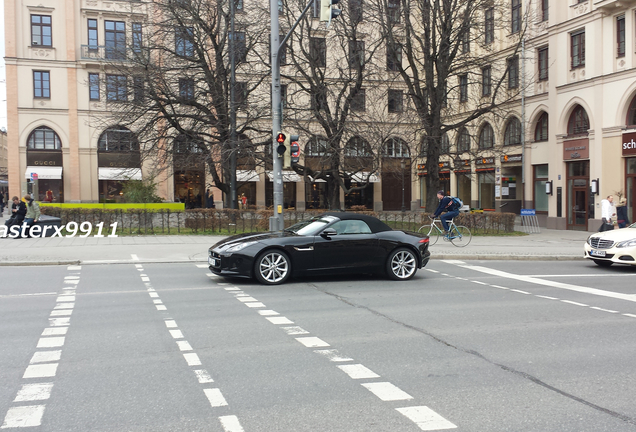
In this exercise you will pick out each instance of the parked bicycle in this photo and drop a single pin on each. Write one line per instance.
(459, 235)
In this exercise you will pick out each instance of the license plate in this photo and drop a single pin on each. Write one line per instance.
(597, 253)
(212, 261)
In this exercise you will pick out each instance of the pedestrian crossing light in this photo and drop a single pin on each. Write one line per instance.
(280, 139)
(295, 150)
(327, 11)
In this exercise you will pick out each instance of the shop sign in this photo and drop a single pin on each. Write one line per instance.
(119, 160)
(485, 161)
(44, 158)
(511, 158)
(576, 149)
(629, 144)
(443, 165)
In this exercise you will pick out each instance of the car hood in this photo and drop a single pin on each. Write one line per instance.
(249, 237)
(617, 234)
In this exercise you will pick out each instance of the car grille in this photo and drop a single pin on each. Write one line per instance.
(599, 243)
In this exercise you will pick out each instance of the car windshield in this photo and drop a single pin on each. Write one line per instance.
(311, 226)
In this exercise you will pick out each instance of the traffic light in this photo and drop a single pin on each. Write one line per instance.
(280, 139)
(289, 139)
(327, 12)
(295, 151)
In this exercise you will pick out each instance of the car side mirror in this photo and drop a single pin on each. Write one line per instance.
(329, 232)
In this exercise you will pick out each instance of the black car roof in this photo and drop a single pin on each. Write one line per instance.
(374, 223)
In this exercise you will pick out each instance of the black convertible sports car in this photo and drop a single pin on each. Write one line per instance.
(336, 242)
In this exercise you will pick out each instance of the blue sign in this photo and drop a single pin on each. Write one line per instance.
(528, 212)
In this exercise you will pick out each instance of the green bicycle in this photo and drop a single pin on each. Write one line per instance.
(459, 235)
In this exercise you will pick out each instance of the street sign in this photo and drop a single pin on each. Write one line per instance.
(528, 212)
(34, 176)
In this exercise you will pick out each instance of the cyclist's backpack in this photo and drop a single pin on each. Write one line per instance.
(456, 203)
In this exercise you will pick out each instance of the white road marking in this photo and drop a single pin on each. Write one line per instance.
(23, 416)
(254, 304)
(59, 322)
(387, 391)
(358, 371)
(184, 346)
(231, 424)
(40, 371)
(139, 266)
(55, 331)
(246, 299)
(64, 306)
(157, 302)
(73, 282)
(231, 288)
(202, 266)
(203, 376)
(333, 355)
(29, 295)
(574, 303)
(519, 291)
(279, 320)
(161, 307)
(71, 277)
(34, 392)
(312, 342)
(242, 294)
(630, 315)
(134, 257)
(295, 330)
(153, 294)
(73, 268)
(61, 312)
(176, 334)
(171, 323)
(46, 356)
(582, 275)
(603, 310)
(145, 279)
(50, 342)
(425, 418)
(267, 312)
(479, 282)
(432, 271)
(547, 297)
(65, 299)
(215, 397)
(500, 287)
(192, 359)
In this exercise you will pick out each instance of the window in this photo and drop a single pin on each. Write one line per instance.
(356, 54)
(444, 145)
(319, 100)
(544, 9)
(540, 179)
(186, 89)
(465, 40)
(316, 9)
(43, 138)
(512, 135)
(93, 86)
(358, 147)
(620, 36)
(542, 53)
(486, 137)
(183, 42)
(513, 72)
(396, 148)
(463, 140)
(577, 49)
(238, 6)
(393, 56)
(137, 38)
(184, 144)
(489, 30)
(463, 88)
(139, 90)
(485, 81)
(41, 34)
(116, 88)
(92, 34)
(41, 84)
(541, 130)
(396, 98)
(355, 11)
(240, 94)
(578, 123)
(393, 11)
(516, 16)
(115, 39)
(358, 100)
(117, 139)
(317, 146)
(318, 52)
(240, 49)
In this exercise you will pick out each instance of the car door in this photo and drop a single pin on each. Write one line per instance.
(352, 248)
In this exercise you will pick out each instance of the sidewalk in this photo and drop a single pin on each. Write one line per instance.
(547, 245)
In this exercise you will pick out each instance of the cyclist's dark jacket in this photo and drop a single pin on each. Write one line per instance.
(445, 204)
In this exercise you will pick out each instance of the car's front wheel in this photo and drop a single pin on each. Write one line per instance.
(402, 264)
(272, 267)
(603, 263)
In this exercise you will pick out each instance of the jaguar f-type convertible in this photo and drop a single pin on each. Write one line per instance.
(332, 243)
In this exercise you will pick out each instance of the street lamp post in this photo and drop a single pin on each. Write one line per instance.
(402, 165)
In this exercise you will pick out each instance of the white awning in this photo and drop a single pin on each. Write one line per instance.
(247, 176)
(108, 173)
(288, 176)
(44, 172)
(361, 177)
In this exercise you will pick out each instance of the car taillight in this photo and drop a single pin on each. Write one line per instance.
(424, 240)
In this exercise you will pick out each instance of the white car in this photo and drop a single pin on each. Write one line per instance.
(615, 246)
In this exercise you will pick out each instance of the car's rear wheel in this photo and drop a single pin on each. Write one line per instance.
(272, 267)
(402, 264)
(603, 263)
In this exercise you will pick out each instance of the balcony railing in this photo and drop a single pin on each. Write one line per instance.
(116, 54)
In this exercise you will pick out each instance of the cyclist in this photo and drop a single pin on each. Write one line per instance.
(445, 205)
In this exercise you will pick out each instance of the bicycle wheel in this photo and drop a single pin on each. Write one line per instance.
(460, 236)
(431, 231)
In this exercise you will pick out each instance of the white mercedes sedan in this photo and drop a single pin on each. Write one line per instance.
(615, 246)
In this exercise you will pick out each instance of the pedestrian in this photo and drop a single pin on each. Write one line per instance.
(209, 199)
(32, 213)
(18, 211)
(244, 201)
(607, 212)
(621, 213)
(1, 203)
(446, 204)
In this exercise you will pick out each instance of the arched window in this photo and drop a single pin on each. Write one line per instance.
(486, 137)
(512, 135)
(184, 144)
(579, 122)
(358, 147)
(444, 145)
(396, 148)
(541, 130)
(44, 138)
(317, 146)
(118, 139)
(631, 114)
(463, 140)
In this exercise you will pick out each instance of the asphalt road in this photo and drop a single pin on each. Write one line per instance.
(467, 345)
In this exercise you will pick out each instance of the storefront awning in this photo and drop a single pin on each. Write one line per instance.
(361, 177)
(247, 176)
(108, 173)
(288, 176)
(44, 172)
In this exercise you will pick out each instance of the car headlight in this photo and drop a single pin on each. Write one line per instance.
(239, 246)
(589, 240)
(627, 243)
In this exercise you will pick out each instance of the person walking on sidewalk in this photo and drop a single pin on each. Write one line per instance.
(1, 203)
(621, 213)
(445, 205)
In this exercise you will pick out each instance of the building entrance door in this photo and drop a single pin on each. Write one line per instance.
(578, 195)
